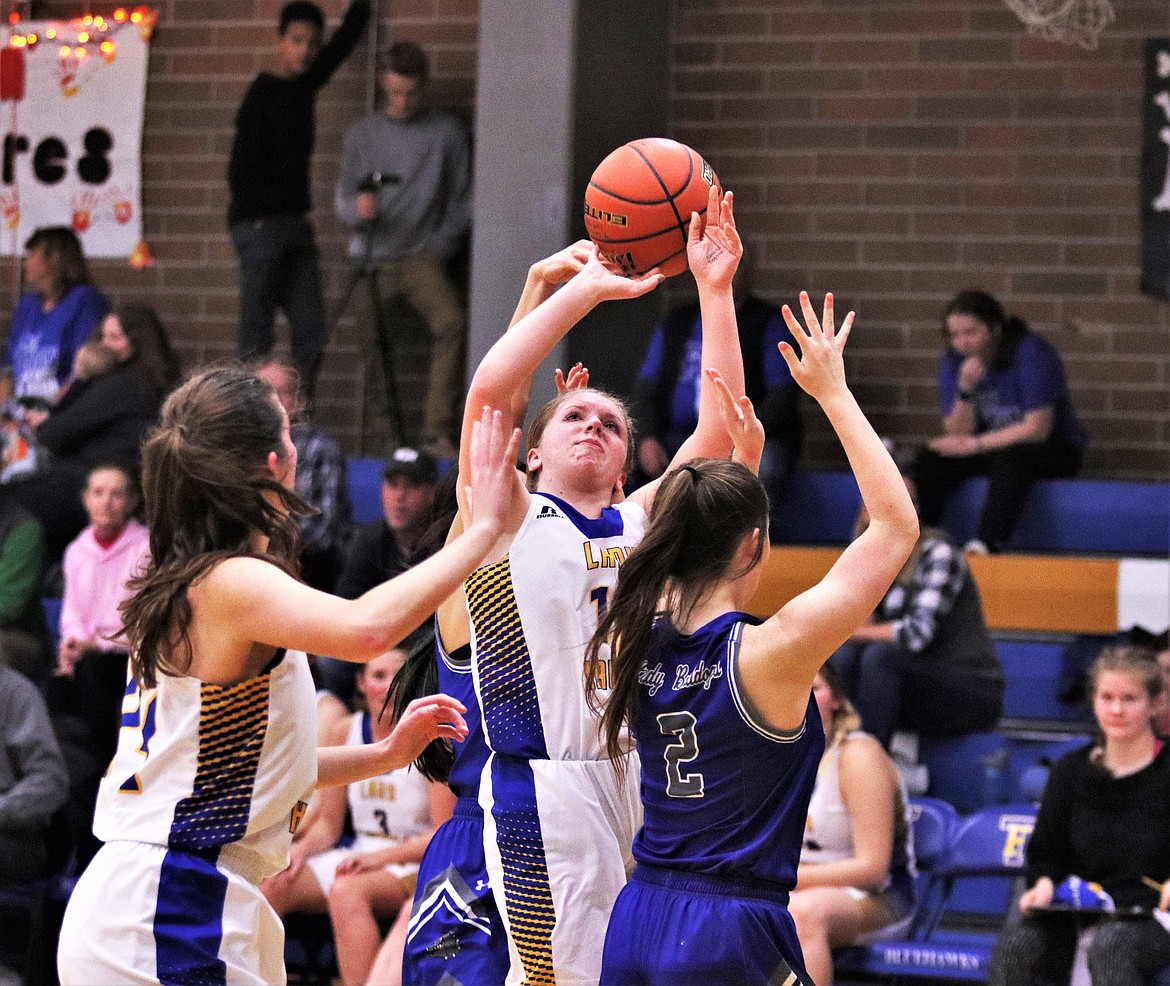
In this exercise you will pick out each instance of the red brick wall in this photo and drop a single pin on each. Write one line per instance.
(896, 152)
(203, 56)
(892, 151)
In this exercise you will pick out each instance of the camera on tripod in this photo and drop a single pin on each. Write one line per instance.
(376, 180)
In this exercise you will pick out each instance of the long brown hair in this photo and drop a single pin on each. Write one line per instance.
(545, 415)
(207, 491)
(154, 358)
(63, 249)
(700, 516)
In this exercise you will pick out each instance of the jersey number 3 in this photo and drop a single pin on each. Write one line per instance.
(686, 747)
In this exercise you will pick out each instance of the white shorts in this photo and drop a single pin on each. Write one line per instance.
(142, 913)
(324, 865)
(558, 840)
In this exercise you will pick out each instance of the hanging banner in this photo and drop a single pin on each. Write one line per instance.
(1155, 174)
(72, 101)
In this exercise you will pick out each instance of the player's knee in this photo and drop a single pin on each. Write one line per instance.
(809, 914)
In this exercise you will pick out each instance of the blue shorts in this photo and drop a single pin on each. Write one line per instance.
(455, 928)
(670, 927)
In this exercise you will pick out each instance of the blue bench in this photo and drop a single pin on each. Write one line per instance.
(1061, 516)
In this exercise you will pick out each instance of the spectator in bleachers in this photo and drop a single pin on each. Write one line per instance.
(1162, 719)
(33, 783)
(24, 635)
(1103, 819)
(55, 315)
(855, 876)
(666, 394)
(924, 661)
(321, 481)
(91, 657)
(383, 548)
(99, 420)
(1006, 414)
(394, 816)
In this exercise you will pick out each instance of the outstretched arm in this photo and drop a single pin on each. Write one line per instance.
(509, 365)
(780, 658)
(713, 253)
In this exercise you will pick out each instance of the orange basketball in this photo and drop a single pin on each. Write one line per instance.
(639, 202)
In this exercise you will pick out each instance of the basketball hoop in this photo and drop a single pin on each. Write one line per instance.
(1068, 21)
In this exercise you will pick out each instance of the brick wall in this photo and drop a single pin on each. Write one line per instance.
(892, 151)
(896, 152)
(203, 57)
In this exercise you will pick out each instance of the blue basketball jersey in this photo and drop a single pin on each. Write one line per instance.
(455, 679)
(723, 793)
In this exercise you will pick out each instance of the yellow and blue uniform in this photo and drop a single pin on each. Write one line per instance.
(199, 805)
(557, 824)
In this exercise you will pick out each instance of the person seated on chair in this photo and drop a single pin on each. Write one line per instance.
(321, 481)
(666, 395)
(33, 782)
(856, 873)
(25, 644)
(1006, 414)
(394, 815)
(384, 548)
(1102, 818)
(925, 661)
(86, 694)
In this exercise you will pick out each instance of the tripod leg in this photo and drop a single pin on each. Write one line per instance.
(386, 347)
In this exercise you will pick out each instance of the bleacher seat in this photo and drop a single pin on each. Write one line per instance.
(1075, 516)
(953, 932)
(364, 477)
(1061, 516)
(957, 766)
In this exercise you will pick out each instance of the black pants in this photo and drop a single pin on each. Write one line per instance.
(895, 689)
(279, 269)
(1011, 473)
(1038, 951)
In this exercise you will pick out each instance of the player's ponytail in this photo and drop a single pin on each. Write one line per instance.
(701, 514)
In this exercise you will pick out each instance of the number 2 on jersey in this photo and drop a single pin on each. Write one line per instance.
(682, 726)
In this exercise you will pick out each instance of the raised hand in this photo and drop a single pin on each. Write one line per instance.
(578, 379)
(739, 417)
(820, 367)
(494, 447)
(564, 264)
(713, 245)
(425, 719)
(605, 281)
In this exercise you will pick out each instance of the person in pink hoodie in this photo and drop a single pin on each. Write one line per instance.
(91, 657)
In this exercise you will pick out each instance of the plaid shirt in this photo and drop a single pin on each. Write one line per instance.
(321, 481)
(917, 608)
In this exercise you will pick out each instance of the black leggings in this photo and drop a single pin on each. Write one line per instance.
(1038, 951)
(1011, 472)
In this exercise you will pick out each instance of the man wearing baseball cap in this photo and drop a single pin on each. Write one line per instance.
(384, 548)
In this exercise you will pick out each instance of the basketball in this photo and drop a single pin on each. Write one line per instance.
(639, 202)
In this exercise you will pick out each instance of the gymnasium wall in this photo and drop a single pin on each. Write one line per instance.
(891, 151)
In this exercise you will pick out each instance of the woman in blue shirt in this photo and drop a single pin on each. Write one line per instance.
(1006, 414)
(56, 314)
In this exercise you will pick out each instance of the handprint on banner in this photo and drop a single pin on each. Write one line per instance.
(83, 204)
(121, 204)
(10, 208)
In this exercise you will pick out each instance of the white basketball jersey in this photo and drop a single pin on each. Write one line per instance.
(395, 805)
(222, 769)
(532, 615)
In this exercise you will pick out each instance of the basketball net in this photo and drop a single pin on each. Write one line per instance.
(1069, 21)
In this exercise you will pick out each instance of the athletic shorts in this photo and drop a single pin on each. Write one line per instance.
(324, 865)
(455, 933)
(558, 837)
(670, 927)
(146, 914)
